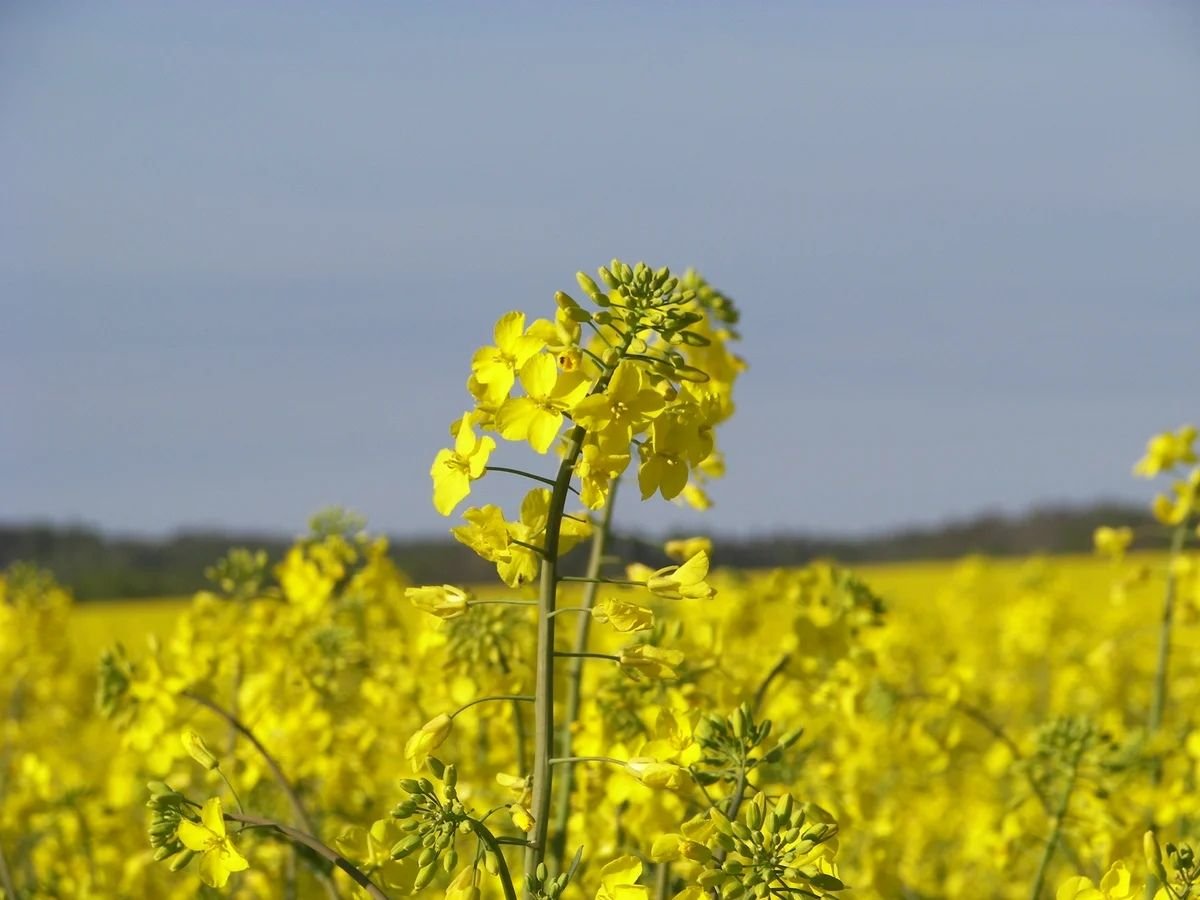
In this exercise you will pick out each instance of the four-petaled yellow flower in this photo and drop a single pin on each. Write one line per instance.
(538, 416)
(497, 366)
(625, 406)
(218, 856)
(454, 470)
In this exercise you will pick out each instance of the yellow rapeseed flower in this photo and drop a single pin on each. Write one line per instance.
(207, 837)
(454, 470)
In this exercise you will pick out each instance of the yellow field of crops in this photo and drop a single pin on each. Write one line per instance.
(324, 728)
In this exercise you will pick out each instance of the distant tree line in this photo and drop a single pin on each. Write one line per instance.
(97, 566)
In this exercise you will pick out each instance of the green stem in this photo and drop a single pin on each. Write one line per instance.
(289, 791)
(566, 734)
(506, 882)
(567, 760)
(584, 579)
(761, 694)
(539, 478)
(543, 709)
(662, 881)
(516, 698)
(314, 844)
(499, 602)
(6, 881)
(568, 654)
(1060, 815)
(232, 790)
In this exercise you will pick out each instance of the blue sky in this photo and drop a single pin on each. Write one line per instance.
(246, 250)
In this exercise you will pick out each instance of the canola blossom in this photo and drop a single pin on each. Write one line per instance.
(597, 728)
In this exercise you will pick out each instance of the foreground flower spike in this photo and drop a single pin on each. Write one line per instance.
(218, 856)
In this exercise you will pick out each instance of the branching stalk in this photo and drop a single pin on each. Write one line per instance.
(314, 844)
(281, 779)
(1060, 815)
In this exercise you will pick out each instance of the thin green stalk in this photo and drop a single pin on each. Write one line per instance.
(516, 698)
(569, 760)
(570, 654)
(539, 478)
(506, 882)
(1060, 815)
(289, 791)
(662, 881)
(616, 582)
(313, 843)
(6, 881)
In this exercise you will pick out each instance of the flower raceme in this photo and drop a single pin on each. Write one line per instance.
(655, 374)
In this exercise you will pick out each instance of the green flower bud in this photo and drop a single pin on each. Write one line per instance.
(590, 288)
(198, 750)
(182, 860)
(424, 876)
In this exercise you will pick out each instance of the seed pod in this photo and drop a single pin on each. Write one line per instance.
(424, 876)
(406, 846)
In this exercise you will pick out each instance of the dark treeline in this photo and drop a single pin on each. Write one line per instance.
(99, 566)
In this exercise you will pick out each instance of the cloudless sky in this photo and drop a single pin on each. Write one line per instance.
(247, 250)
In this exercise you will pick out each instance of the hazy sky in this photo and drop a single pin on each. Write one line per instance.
(246, 250)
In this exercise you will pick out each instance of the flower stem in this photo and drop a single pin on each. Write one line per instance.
(289, 791)
(492, 843)
(516, 698)
(540, 478)
(568, 760)
(312, 843)
(567, 654)
(1060, 816)
(585, 579)
(596, 558)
